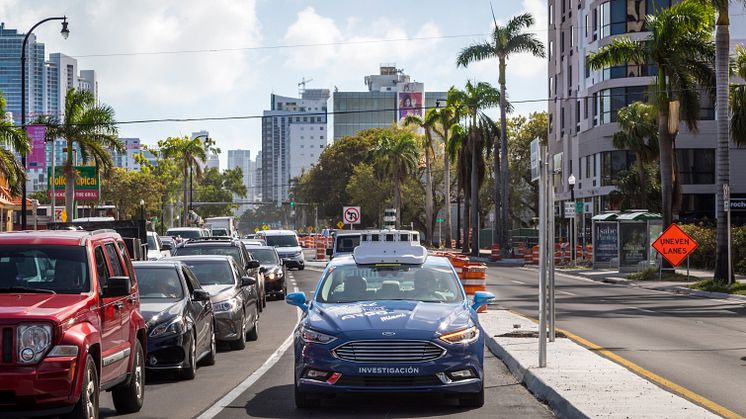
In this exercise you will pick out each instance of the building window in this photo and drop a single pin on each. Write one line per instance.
(613, 163)
(321, 137)
(321, 128)
(696, 166)
(577, 116)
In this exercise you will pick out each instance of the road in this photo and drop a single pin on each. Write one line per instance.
(272, 395)
(695, 342)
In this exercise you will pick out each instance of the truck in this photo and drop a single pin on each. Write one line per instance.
(225, 223)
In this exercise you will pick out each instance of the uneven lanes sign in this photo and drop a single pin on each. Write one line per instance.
(675, 245)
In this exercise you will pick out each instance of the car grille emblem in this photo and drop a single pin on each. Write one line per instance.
(388, 333)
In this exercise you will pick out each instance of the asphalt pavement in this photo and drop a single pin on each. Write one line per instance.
(697, 343)
(271, 394)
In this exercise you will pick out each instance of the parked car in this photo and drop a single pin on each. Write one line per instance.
(172, 241)
(188, 233)
(234, 298)
(69, 300)
(178, 312)
(229, 247)
(286, 242)
(273, 269)
(157, 249)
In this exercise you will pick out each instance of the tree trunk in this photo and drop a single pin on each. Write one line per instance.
(504, 157)
(465, 222)
(474, 194)
(447, 188)
(397, 194)
(428, 190)
(641, 177)
(676, 189)
(497, 228)
(185, 217)
(666, 151)
(69, 170)
(722, 165)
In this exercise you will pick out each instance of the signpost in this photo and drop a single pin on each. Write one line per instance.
(351, 215)
(675, 245)
(265, 227)
(389, 218)
(727, 207)
(340, 225)
(440, 234)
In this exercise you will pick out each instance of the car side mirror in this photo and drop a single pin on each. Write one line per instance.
(253, 264)
(118, 286)
(200, 295)
(247, 281)
(166, 246)
(329, 252)
(297, 299)
(482, 298)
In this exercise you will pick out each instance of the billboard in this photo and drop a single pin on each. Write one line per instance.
(37, 158)
(411, 99)
(87, 183)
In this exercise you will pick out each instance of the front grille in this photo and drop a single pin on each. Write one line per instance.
(374, 381)
(389, 351)
(7, 347)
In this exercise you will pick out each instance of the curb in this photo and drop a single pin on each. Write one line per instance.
(562, 407)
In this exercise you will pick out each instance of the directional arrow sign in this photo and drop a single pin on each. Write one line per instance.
(675, 245)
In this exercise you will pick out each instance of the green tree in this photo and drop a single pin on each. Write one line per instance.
(638, 132)
(427, 124)
(125, 189)
(680, 45)
(88, 125)
(396, 155)
(369, 191)
(189, 154)
(11, 138)
(629, 189)
(524, 192)
(506, 41)
(219, 187)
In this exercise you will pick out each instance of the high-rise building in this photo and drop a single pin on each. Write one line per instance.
(583, 109)
(294, 132)
(242, 159)
(256, 186)
(126, 160)
(391, 95)
(10, 73)
(213, 161)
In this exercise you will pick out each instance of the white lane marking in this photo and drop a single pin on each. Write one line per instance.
(517, 282)
(567, 293)
(642, 309)
(229, 398)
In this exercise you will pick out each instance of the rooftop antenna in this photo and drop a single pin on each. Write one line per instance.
(302, 85)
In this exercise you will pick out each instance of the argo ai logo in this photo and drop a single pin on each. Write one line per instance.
(388, 333)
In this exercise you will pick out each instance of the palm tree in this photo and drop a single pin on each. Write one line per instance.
(396, 154)
(638, 132)
(506, 41)
(11, 138)
(427, 124)
(190, 155)
(680, 46)
(91, 128)
(738, 99)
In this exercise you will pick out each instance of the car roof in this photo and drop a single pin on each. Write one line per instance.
(278, 232)
(205, 258)
(185, 228)
(211, 242)
(156, 263)
(55, 237)
(261, 247)
(347, 259)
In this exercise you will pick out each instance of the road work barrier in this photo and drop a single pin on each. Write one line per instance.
(474, 278)
(495, 256)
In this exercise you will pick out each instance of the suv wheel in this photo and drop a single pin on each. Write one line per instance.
(190, 371)
(240, 343)
(129, 398)
(254, 332)
(210, 358)
(87, 406)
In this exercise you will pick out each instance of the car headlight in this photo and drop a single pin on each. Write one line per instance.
(172, 327)
(33, 341)
(312, 336)
(271, 276)
(464, 336)
(226, 305)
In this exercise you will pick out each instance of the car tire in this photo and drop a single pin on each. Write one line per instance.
(473, 400)
(305, 400)
(264, 299)
(209, 359)
(301, 267)
(253, 334)
(129, 397)
(87, 406)
(190, 371)
(240, 343)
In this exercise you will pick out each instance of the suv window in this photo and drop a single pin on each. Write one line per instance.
(116, 264)
(62, 269)
(282, 241)
(126, 257)
(102, 269)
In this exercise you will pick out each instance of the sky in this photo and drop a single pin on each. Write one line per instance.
(146, 59)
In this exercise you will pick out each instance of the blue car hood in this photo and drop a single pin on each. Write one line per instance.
(383, 315)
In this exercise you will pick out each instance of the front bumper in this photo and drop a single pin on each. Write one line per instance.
(47, 388)
(169, 352)
(293, 261)
(228, 325)
(275, 285)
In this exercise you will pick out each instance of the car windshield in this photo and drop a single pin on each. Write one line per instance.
(217, 272)
(227, 250)
(185, 233)
(265, 256)
(44, 268)
(427, 283)
(151, 242)
(348, 243)
(282, 241)
(219, 232)
(159, 283)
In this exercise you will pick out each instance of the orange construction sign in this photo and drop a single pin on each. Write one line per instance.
(675, 245)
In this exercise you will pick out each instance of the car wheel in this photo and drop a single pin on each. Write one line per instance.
(210, 358)
(264, 299)
(129, 398)
(254, 332)
(305, 400)
(87, 406)
(473, 400)
(190, 371)
(240, 343)
(301, 267)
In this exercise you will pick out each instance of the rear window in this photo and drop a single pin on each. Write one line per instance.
(159, 283)
(211, 272)
(346, 244)
(62, 269)
(185, 234)
(282, 241)
(232, 251)
(265, 256)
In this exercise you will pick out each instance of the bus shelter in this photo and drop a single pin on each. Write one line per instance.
(622, 240)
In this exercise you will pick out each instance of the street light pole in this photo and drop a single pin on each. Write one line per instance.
(571, 181)
(65, 33)
(142, 209)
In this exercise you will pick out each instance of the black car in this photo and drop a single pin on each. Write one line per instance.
(227, 247)
(179, 316)
(234, 297)
(273, 269)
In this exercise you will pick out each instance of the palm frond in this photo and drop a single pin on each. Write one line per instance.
(620, 51)
(475, 52)
(526, 42)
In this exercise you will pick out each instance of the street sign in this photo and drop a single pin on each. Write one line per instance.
(265, 227)
(310, 229)
(535, 160)
(351, 215)
(579, 207)
(588, 208)
(256, 229)
(675, 245)
(726, 197)
(439, 220)
(60, 215)
(569, 209)
(340, 225)
(87, 184)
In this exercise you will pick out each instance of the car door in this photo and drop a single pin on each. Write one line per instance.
(111, 320)
(249, 294)
(125, 304)
(201, 311)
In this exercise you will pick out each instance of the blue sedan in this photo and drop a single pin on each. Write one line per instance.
(389, 327)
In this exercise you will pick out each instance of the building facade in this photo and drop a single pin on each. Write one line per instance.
(294, 132)
(126, 160)
(382, 104)
(583, 106)
(242, 159)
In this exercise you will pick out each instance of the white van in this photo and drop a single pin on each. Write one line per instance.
(286, 243)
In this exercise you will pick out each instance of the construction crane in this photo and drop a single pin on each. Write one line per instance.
(302, 85)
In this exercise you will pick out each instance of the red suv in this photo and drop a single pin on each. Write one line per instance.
(70, 324)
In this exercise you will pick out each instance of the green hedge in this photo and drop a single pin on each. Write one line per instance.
(704, 256)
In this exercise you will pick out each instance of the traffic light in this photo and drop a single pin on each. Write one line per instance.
(292, 203)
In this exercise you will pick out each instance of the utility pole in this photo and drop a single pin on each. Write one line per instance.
(543, 246)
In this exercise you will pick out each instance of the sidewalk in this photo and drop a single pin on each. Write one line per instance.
(577, 382)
